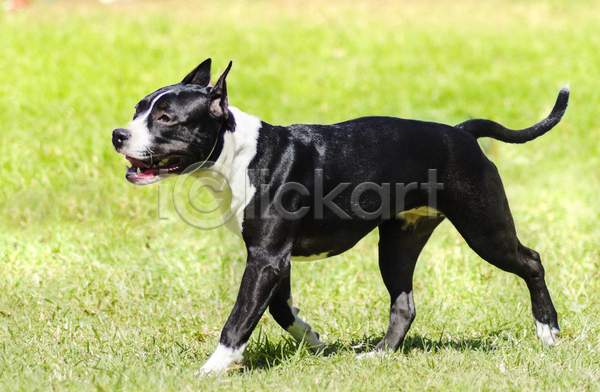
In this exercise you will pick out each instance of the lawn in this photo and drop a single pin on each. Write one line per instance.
(104, 287)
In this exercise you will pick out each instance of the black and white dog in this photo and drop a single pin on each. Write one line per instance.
(313, 191)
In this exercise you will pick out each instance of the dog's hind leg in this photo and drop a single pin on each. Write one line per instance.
(283, 311)
(479, 210)
(400, 243)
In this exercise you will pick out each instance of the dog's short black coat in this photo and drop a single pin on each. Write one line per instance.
(408, 163)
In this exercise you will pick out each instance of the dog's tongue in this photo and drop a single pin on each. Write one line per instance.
(139, 171)
(137, 163)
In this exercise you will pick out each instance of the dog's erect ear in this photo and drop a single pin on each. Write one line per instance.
(200, 75)
(219, 103)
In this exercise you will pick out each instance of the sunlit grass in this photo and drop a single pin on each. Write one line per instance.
(98, 293)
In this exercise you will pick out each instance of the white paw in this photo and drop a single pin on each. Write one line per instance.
(221, 360)
(302, 332)
(315, 345)
(380, 354)
(208, 371)
(548, 335)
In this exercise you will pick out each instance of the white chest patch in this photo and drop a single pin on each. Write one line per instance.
(239, 148)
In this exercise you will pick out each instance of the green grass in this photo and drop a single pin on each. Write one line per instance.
(97, 293)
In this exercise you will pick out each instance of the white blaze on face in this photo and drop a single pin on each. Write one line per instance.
(140, 142)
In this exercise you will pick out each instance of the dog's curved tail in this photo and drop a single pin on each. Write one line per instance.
(487, 128)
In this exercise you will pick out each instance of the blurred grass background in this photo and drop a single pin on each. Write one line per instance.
(97, 293)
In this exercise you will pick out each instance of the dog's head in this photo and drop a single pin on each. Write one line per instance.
(175, 126)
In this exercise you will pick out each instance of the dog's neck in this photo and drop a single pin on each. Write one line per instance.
(239, 145)
(239, 148)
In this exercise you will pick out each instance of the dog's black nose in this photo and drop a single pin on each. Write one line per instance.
(119, 136)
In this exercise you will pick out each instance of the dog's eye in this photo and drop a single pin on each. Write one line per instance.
(164, 118)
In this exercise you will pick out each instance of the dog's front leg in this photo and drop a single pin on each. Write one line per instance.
(264, 273)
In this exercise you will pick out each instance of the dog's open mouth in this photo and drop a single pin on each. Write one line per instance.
(150, 170)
